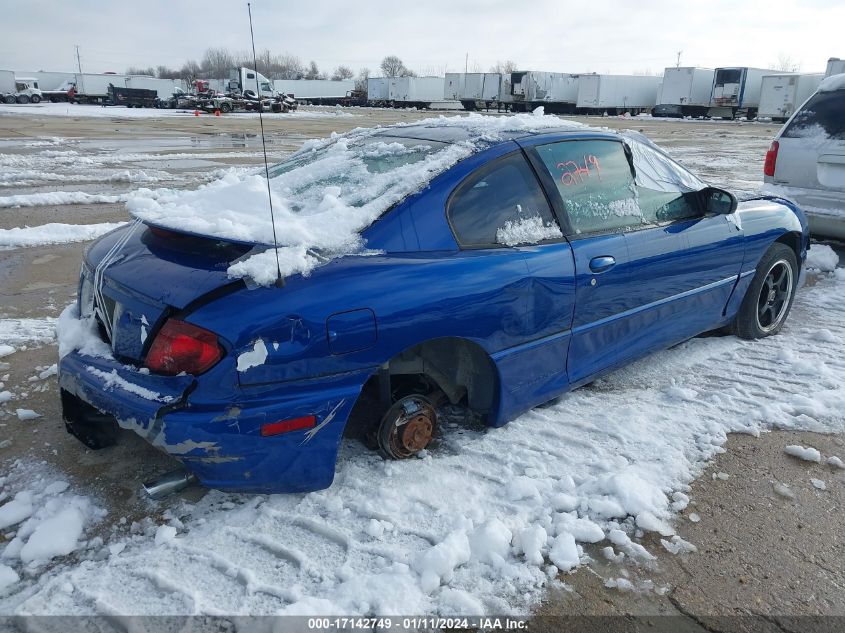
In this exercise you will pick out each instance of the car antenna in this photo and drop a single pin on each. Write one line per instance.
(279, 279)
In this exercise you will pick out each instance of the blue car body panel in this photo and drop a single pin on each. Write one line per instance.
(544, 315)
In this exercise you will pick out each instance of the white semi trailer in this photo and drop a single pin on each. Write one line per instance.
(473, 90)
(415, 92)
(684, 92)
(736, 91)
(616, 94)
(319, 91)
(556, 92)
(378, 90)
(780, 95)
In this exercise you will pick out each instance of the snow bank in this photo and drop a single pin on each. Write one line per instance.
(325, 194)
(822, 257)
(54, 233)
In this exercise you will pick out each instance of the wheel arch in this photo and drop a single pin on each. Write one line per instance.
(794, 240)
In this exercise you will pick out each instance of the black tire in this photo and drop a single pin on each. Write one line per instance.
(769, 298)
(35, 99)
(225, 107)
(23, 99)
(9, 99)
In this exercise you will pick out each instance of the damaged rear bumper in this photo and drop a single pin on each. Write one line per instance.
(219, 442)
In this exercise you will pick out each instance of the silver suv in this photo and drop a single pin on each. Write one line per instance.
(806, 162)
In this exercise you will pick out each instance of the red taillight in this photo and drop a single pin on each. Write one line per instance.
(771, 159)
(286, 426)
(182, 347)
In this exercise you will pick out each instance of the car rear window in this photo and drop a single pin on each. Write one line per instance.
(822, 117)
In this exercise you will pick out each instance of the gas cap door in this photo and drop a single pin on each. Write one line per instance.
(351, 331)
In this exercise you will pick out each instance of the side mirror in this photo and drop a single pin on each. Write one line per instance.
(718, 201)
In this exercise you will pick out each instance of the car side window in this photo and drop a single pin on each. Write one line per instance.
(596, 182)
(501, 204)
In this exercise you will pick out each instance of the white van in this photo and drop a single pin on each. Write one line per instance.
(806, 162)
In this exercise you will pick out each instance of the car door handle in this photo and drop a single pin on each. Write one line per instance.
(601, 264)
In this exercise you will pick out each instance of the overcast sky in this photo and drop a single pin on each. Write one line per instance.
(430, 36)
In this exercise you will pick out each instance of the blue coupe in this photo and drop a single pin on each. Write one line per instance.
(470, 264)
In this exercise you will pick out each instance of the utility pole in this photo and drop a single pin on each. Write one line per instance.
(80, 79)
(678, 63)
(466, 64)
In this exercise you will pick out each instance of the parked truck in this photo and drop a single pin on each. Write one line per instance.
(781, 95)
(736, 92)
(616, 94)
(685, 91)
(15, 89)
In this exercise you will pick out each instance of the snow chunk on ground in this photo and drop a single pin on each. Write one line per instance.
(16, 510)
(55, 536)
(529, 230)
(26, 414)
(490, 543)
(254, 357)
(821, 257)
(818, 484)
(437, 565)
(54, 233)
(807, 453)
(835, 462)
(5, 350)
(564, 552)
(165, 534)
(677, 545)
(27, 331)
(8, 576)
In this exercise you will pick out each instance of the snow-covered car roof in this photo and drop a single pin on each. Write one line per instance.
(326, 193)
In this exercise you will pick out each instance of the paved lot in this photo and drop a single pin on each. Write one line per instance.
(758, 552)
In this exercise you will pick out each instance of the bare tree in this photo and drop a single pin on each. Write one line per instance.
(343, 72)
(190, 71)
(217, 62)
(313, 72)
(361, 81)
(163, 72)
(504, 67)
(392, 66)
(786, 64)
(133, 70)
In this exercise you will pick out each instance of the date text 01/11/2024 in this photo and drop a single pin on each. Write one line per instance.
(413, 623)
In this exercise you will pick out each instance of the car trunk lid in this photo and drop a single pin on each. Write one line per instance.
(138, 276)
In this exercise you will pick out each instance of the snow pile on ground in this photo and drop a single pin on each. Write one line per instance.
(485, 521)
(16, 332)
(821, 257)
(76, 197)
(43, 520)
(54, 233)
(324, 195)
